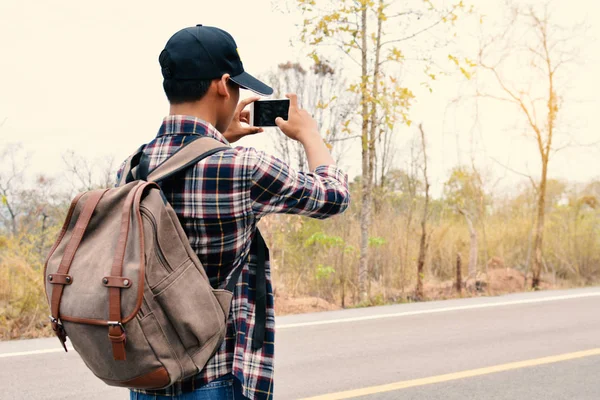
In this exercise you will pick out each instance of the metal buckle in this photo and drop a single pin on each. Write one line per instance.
(56, 325)
(116, 323)
(59, 330)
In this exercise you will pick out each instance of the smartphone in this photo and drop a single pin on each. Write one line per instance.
(264, 112)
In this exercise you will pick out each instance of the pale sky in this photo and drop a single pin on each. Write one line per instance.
(85, 77)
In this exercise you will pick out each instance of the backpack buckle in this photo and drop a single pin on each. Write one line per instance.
(60, 332)
(116, 335)
(118, 338)
(116, 323)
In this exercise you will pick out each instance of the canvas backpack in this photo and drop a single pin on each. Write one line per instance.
(123, 282)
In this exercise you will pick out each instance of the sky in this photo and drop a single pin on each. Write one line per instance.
(85, 77)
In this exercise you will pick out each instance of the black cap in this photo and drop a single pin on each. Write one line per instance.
(205, 53)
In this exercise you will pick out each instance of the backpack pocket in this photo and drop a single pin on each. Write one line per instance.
(188, 300)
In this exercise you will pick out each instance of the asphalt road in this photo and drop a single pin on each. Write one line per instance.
(543, 345)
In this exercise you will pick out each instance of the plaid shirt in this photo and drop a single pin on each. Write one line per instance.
(219, 202)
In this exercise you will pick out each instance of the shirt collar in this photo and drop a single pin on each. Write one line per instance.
(188, 125)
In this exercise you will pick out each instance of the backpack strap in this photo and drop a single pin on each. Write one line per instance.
(127, 175)
(261, 252)
(116, 332)
(199, 148)
(61, 278)
(185, 157)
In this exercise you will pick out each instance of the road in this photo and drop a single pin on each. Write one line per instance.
(543, 345)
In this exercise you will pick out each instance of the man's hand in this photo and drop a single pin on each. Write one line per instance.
(300, 125)
(235, 131)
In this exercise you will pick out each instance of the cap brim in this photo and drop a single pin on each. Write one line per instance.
(247, 81)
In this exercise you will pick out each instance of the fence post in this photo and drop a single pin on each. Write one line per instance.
(458, 274)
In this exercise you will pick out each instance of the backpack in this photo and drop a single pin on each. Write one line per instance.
(124, 283)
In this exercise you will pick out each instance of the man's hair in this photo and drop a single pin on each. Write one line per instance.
(179, 92)
(185, 91)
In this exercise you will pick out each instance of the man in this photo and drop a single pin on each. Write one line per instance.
(220, 200)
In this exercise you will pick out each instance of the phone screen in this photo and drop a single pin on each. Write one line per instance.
(265, 111)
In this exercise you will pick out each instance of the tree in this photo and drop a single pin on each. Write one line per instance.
(540, 50)
(464, 192)
(369, 33)
(318, 89)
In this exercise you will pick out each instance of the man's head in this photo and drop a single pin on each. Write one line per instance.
(201, 68)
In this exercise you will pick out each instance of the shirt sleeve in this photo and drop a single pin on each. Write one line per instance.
(278, 188)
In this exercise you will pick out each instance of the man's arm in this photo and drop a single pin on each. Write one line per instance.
(301, 127)
(277, 188)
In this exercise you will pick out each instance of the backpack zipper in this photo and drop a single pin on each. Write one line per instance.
(157, 249)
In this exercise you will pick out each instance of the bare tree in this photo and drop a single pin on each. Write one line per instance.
(542, 50)
(86, 174)
(12, 176)
(464, 192)
(318, 88)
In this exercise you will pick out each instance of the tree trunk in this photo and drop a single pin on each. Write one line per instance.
(539, 228)
(13, 216)
(371, 136)
(301, 159)
(423, 242)
(419, 295)
(545, 156)
(365, 212)
(407, 230)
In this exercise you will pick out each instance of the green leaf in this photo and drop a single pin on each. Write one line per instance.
(376, 241)
(324, 271)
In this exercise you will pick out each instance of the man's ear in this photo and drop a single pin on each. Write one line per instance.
(222, 87)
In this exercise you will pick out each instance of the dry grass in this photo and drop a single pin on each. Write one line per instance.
(23, 308)
(315, 263)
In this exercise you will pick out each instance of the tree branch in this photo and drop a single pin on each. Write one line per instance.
(521, 105)
(420, 31)
(345, 138)
(516, 172)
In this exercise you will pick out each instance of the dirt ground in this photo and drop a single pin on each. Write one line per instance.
(497, 281)
(285, 305)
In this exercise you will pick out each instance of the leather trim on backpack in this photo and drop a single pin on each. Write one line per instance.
(135, 204)
(116, 281)
(142, 272)
(63, 231)
(60, 279)
(78, 232)
(156, 379)
(116, 332)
